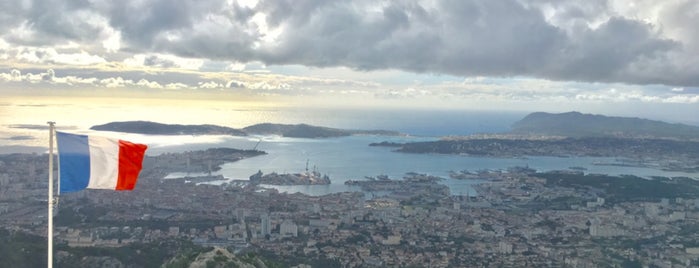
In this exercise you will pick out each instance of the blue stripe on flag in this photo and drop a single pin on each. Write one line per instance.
(74, 161)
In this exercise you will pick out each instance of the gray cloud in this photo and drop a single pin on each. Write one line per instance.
(52, 21)
(558, 40)
(608, 53)
(154, 61)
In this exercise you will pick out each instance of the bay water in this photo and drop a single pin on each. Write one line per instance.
(22, 129)
(351, 158)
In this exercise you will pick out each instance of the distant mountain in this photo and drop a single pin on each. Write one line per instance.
(575, 124)
(294, 131)
(308, 131)
(153, 128)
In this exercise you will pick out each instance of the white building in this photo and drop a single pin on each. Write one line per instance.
(174, 231)
(288, 228)
(505, 248)
(677, 216)
(392, 240)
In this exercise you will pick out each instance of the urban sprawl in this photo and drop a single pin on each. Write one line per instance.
(518, 218)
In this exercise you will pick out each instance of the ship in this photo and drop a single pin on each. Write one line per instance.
(304, 178)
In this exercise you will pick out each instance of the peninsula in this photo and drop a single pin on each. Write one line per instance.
(285, 130)
(308, 131)
(669, 146)
(577, 125)
(203, 160)
(153, 128)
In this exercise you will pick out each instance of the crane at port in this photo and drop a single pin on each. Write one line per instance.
(256, 144)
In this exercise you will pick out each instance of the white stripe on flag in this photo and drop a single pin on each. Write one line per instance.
(104, 162)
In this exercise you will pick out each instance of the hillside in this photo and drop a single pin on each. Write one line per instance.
(297, 131)
(153, 128)
(575, 124)
(308, 131)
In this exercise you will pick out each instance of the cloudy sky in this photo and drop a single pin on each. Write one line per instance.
(595, 55)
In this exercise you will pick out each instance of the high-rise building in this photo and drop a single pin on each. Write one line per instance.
(265, 227)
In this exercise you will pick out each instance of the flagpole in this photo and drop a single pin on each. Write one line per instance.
(50, 200)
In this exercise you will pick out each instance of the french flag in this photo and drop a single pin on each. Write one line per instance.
(97, 162)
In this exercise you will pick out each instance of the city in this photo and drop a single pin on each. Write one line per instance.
(434, 133)
(518, 218)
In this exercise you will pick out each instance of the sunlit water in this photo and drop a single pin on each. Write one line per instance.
(22, 121)
(350, 158)
(346, 158)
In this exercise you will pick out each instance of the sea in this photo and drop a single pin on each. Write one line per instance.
(23, 129)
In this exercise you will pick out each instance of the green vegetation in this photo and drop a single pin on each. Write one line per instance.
(184, 259)
(20, 250)
(464, 240)
(626, 188)
(273, 260)
(68, 215)
(92, 216)
(357, 239)
(134, 255)
(688, 234)
(558, 203)
(551, 224)
(221, 258)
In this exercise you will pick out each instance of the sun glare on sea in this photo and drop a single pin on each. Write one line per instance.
(21, 119)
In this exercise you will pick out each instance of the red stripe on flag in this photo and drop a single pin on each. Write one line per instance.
(130, 164)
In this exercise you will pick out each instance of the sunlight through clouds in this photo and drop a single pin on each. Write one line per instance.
(430, 53)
